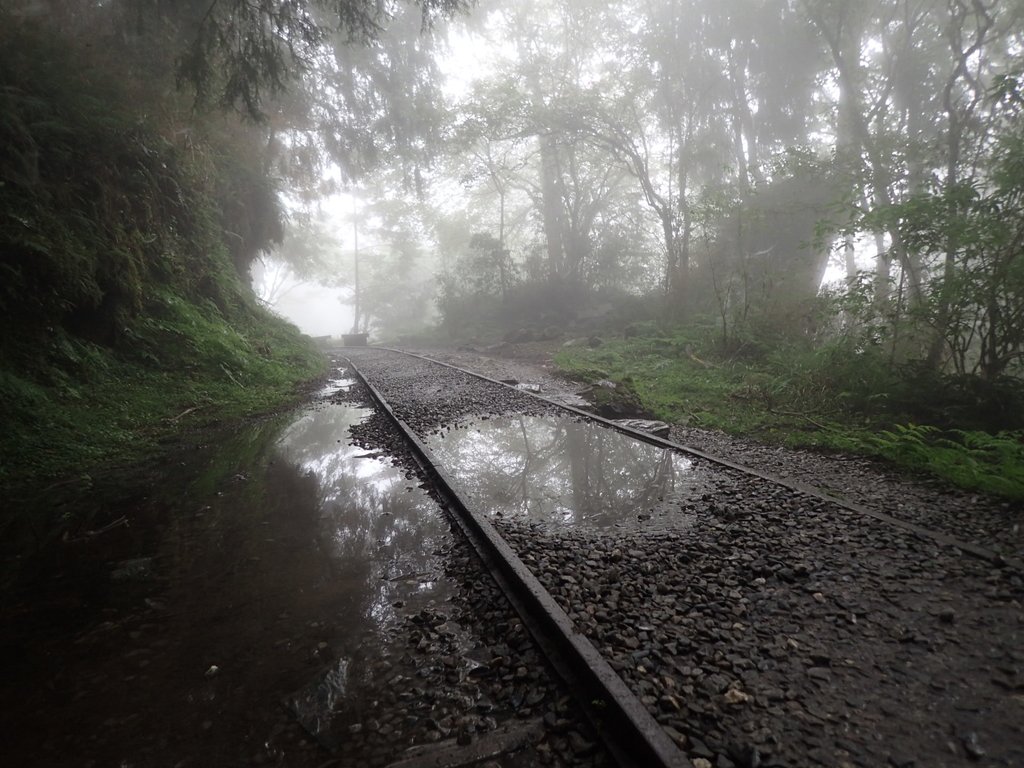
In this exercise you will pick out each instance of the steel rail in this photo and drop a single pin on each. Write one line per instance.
(632, 736)
(938, 537)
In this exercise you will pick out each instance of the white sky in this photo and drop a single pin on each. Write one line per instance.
(317, 310)
(320, 310)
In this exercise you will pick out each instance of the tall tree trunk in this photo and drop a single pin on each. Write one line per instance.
(677, 270)
(551, 204)
(685, 234)
(849, 260)
(846, 60)
(938, 343)
(883, 273)
(881, 184)
(957, 115)
(501, 218)
(550, 170)
(744, 137)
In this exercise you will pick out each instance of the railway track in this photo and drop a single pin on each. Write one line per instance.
(631, 735)
(939, 537)
(775, 628)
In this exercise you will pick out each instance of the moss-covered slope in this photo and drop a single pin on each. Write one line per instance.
(124, 317)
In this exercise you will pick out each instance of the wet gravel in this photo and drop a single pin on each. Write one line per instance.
(780, 630)
(987, 521)
(469, 668)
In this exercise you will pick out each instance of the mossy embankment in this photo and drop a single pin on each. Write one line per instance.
(123, 238)
(829, 399)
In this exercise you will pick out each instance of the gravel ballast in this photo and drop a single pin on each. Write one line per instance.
(987, 521)
(779, 629)
(470, 672)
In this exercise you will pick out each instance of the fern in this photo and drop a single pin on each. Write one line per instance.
(971, 459)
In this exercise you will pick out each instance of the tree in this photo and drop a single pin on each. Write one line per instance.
(912, 119)
(239, 52)
(976, 302)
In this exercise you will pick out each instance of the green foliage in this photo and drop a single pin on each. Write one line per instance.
(66, 245)
(975, 460)
(240, 52)
(184, 364)
(95, 205)
(477, 284)
(125, 318)
(974, 231)
(835, 398)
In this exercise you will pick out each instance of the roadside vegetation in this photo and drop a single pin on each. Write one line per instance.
(126, 317)
(832, 400)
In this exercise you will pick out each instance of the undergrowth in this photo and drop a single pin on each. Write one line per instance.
(974, 460)
(826, 400)
(125, 317)
(188, 367)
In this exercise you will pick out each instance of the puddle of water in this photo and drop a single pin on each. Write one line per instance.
(335, 385)
(381, 530)
(279, 556)
(565, 472)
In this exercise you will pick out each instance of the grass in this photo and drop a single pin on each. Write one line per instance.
(788, 401)
(186, 367)
(674, 386)
(970, 459)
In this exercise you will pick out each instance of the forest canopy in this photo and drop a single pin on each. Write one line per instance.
(841, 177)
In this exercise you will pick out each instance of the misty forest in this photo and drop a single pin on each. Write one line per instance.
(796, 220)
(762, 261)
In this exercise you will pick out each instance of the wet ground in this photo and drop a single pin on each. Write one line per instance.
(269, 563)
(774, 629)
(566, 472)
(286, 594)
(276, 595)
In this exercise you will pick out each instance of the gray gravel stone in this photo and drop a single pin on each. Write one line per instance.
(830, 622)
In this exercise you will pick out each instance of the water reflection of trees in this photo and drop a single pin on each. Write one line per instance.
(374, 530)
(559, 469)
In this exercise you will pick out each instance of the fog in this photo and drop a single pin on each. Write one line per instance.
(317, 310)
(760, 172)
(767, 224)
(587, 166)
